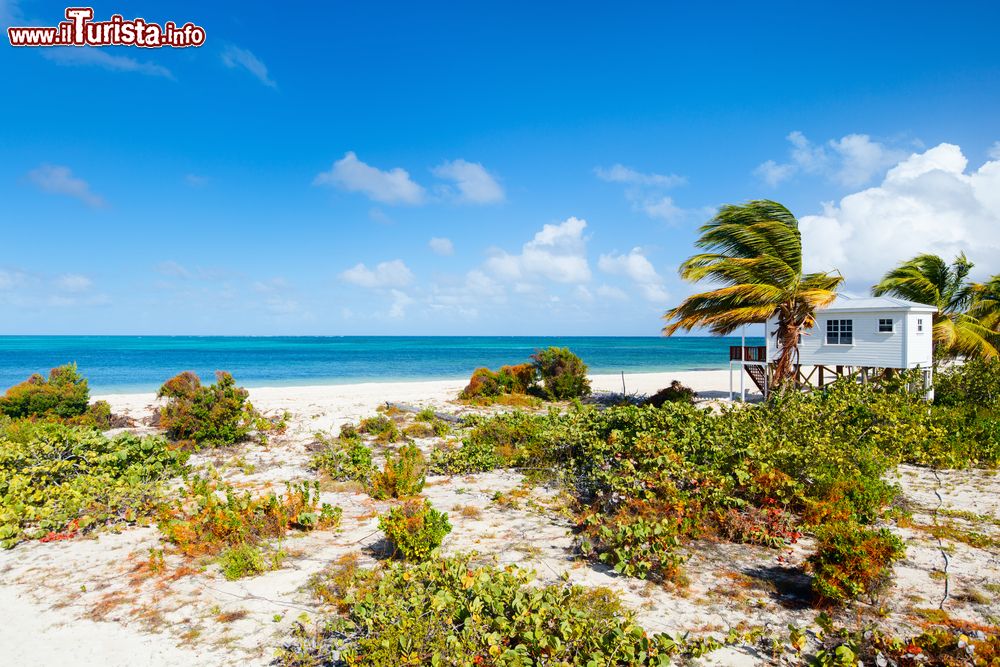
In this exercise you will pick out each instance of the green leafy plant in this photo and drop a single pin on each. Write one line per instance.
(242, 560)
(414, 529)
(675, 393)
(57, 481)
(63, 395)
(455, 611)
(211, 516)
(207, 416)
(346, 459)
(851, 560)
(402, 475)
(383, 428)
(563, 374)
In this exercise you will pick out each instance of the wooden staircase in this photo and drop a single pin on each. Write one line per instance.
(758, 370)
(759, 376)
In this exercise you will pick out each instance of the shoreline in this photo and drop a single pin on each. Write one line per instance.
(703, 381)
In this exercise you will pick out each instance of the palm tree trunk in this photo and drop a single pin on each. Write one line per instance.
(788, 343)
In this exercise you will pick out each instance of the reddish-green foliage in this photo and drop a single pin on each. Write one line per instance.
(402, 475)
(414, 529)
(563, 374)
(852, 560)
(63, 395)
(211, 416)
(211, 516)
(518, 379)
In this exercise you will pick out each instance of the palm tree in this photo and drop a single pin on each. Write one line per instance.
(986, 303)
(931, 280)
(754, 256)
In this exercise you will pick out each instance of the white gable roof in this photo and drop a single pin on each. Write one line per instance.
(876, 303)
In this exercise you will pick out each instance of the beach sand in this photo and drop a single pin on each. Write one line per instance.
(85, 601)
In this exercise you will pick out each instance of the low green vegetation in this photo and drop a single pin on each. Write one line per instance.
(58, 480)
(414, 529)
(63, 396)
(211, 516)
(382, 427)
(403, 474)
(555, 374)
(852, 561)
(344, 459)
(215, 415)
(454, 611)
(647, 480)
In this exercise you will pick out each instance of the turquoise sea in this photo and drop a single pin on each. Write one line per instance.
(142, 363)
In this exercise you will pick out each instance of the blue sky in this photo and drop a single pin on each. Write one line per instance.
(477, 168)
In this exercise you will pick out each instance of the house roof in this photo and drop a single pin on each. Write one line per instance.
(874, 303)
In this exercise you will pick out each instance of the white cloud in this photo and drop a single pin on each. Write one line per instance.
(994, 151)
(557, 253)
(662, 208)
(619, 173)
(195, 181)
(645, 191)
(441, 246)
(613, 293)
(173, 269)
(851, 161)
(385, 274)
(400, 300)
(639, 270)
(10, 279)
(102, 58)
(73, 282)
(235, 57)
(59, 180)
(926, 203)
(475, 184)
(773, 173)
(389, 187)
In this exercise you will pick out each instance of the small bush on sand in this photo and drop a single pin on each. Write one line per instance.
(57, 481)
(345, 460)
(63, 395)
(414, 529)
(211, 516)
(675, 393)
(508, 439)
(403, 474)
(563, 374)
(852, 560)
(383, 428)
(243, 560)
(207, 416)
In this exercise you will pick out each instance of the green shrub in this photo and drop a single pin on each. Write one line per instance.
(242, 560)
(345, 460)
(63, 395)
(383, 428)
(456, 612)
(675, 393)
(414, 529)
(58, 480)
(563, 374)
(973, 384)
(851, 560)
(212, 416)
(402, 475)
(508, 439)
(516, 379)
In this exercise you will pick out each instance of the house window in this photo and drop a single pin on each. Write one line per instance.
(920, 325)
(884, 325)
(839, 332)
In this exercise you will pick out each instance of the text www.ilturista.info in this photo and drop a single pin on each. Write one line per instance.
(80, 30)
